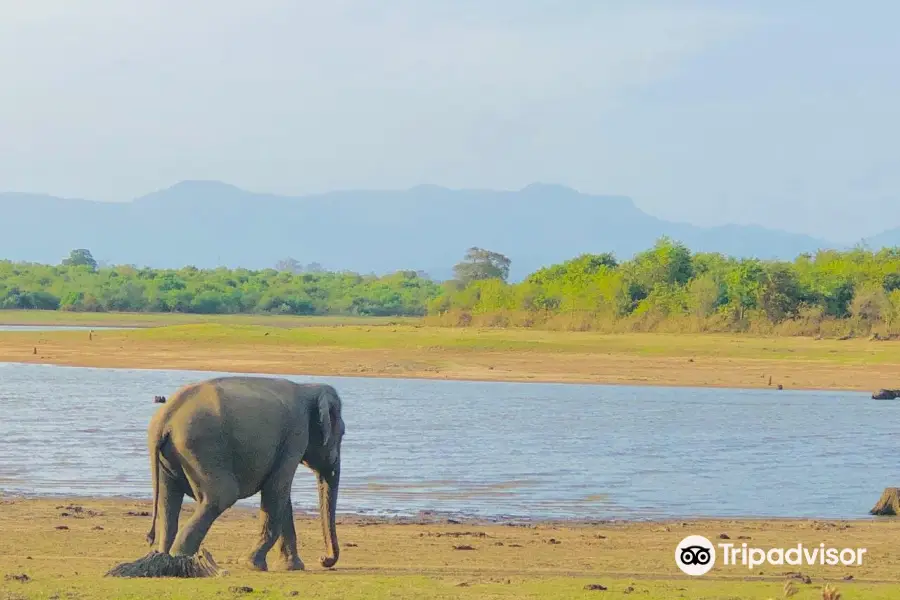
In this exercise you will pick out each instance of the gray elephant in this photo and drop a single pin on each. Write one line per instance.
(228, 438)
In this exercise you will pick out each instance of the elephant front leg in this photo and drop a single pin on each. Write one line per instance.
(271, 509)
(288, 541)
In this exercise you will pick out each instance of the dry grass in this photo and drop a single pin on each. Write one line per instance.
(477, 354)
(382, 559)
(811, 322)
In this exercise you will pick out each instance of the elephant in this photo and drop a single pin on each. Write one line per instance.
(227, 438)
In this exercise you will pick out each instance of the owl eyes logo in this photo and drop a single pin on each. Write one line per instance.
(695, 555)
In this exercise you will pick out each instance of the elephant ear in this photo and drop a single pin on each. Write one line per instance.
(326, 406)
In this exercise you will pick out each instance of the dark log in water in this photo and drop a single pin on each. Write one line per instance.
(886, 395)
(888, 504)
(157, 564)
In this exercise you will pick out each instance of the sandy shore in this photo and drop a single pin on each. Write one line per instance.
(687, 361)
(68, 544)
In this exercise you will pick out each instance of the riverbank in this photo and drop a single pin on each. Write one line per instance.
(64, 546)
(485, 355)
(388, 349)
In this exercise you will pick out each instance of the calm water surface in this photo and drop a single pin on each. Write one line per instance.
(59, 327)
(493, 449)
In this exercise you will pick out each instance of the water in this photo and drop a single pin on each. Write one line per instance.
(493, 449)
(60, 328)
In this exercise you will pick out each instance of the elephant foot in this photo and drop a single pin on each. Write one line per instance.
(294, 564)
(257, 563)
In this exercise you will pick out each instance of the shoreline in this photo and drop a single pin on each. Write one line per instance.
(434, 377)
(475, 367)
(226, 366)
(431, 517)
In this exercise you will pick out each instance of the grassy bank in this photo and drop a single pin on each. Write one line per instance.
(391, 348)
(127, 319)
(65, 546)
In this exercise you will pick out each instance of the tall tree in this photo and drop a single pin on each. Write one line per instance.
(80, 257)
(289, 265)
(482, 264)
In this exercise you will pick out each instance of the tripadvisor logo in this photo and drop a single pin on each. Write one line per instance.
(695, 555)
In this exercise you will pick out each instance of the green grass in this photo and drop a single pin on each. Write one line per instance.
(375, 587)
(523, 340)
(411, 334)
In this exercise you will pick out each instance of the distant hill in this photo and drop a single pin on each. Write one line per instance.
(428, 228)
(886, 239)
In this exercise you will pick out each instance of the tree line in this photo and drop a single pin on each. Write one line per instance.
(669, 288)
(79, 284)
(665, 288)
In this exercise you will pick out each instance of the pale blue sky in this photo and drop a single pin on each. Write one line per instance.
(777, 113)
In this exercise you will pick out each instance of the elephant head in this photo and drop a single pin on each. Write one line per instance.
(325, 460)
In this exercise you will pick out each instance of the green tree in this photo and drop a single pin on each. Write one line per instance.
(704, 296)
(80, 257)
(743, 286)
(892, 316)
(780, 295)
(667, 264)
(480, 264)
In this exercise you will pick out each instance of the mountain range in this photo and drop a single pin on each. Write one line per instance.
(425, 228)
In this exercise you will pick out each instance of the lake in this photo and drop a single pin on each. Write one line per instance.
(492, 449)
(61, 328)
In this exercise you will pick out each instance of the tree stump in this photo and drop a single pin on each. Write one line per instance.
(888, 504)
(157, 564)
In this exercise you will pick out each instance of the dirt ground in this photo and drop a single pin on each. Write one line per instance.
(62, 547)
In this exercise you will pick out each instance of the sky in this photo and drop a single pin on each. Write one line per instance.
(783, 114)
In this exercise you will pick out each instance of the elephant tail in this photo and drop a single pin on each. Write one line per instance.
(161, 439)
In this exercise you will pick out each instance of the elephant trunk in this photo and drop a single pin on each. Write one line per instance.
(328, 492)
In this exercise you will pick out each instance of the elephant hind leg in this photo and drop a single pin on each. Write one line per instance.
(170, 500)
(212, 501)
